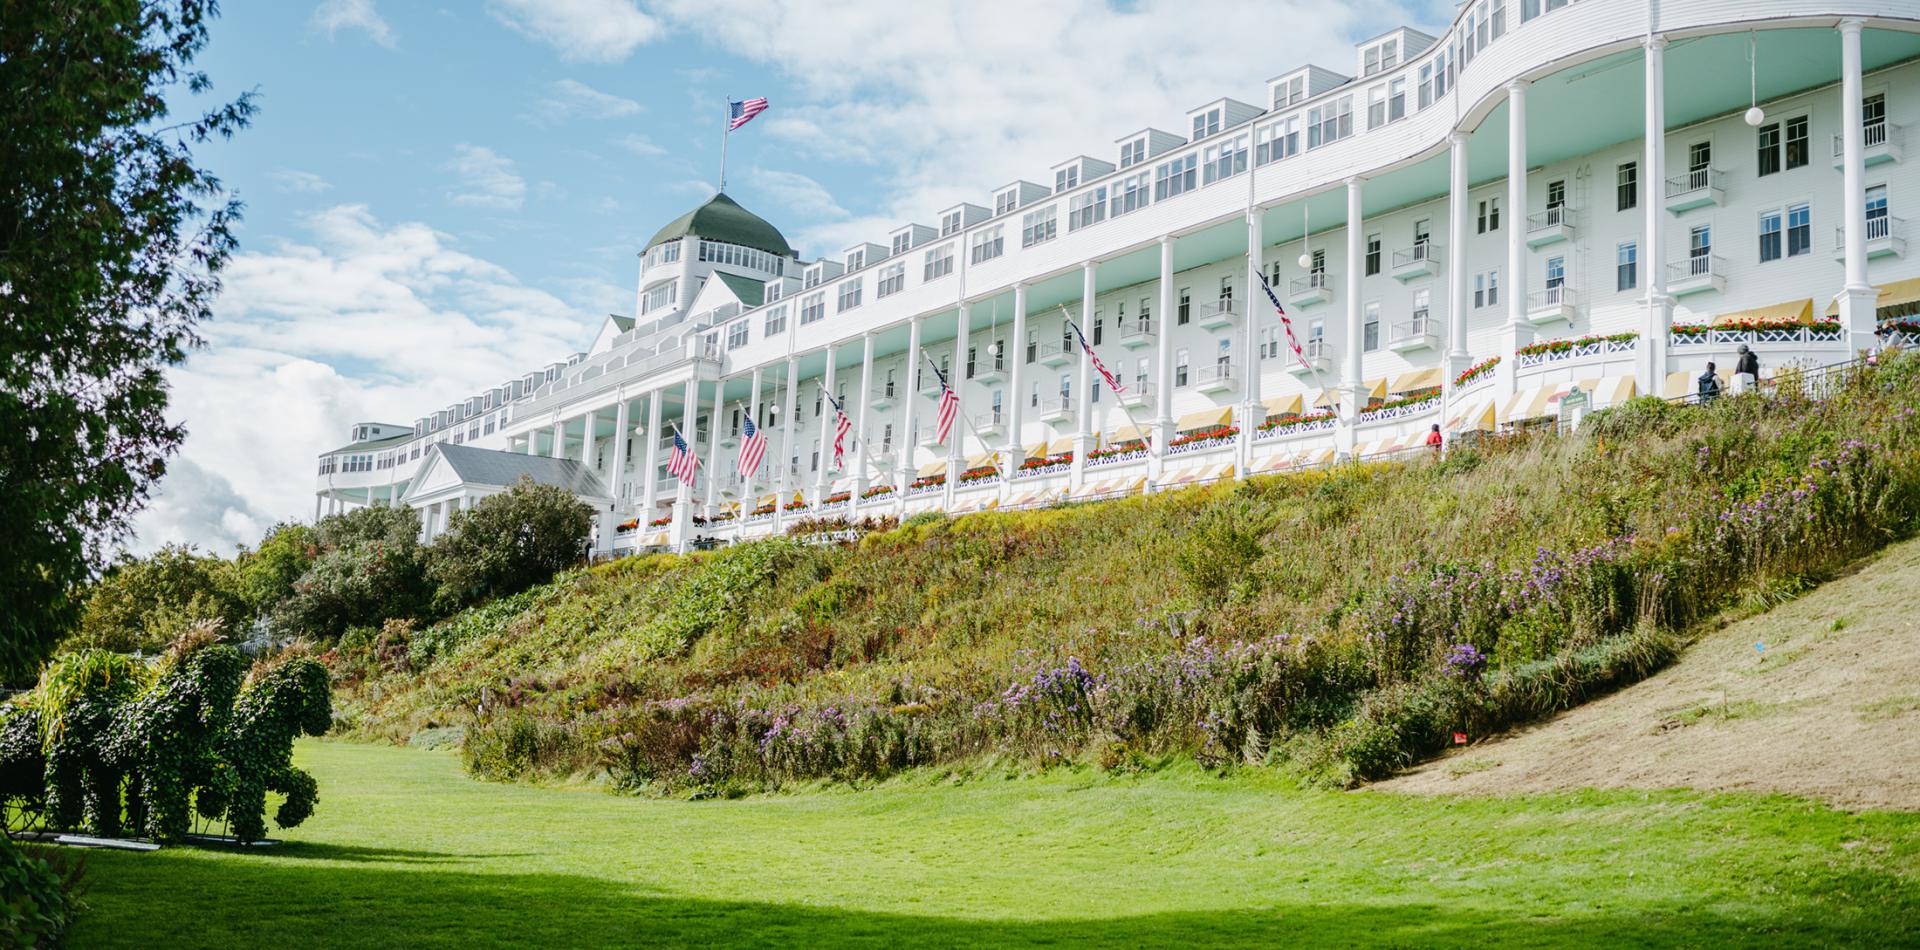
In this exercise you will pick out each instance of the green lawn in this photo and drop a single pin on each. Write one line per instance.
(405, 851)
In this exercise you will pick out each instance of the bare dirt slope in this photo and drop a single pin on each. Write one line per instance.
(1819, 697)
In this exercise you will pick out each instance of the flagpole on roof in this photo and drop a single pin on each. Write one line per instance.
(726, 132)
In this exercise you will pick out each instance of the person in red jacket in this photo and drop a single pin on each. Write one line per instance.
(1433, 438)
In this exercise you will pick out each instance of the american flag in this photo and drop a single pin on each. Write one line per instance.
(949, 405)
(1112, 383)
(841, 426)
(753, 448)
(741, 113)
(1285, 323)
(682, 462)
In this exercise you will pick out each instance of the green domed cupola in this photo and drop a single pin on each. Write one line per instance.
(722, 219)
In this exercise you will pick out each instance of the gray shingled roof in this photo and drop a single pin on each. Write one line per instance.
(477, 466)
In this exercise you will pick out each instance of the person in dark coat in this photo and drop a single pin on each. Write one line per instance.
(1709, 386)
(1746, 370)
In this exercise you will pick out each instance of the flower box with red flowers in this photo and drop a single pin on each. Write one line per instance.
(1476, 371)
(876, 491)
(928, 481)
(1562, 346)
(1213, 434)
(723, 516)
(1130, 447)
(765, 509)
(1908, 328)
(837, 498)
(794, 506)
(980, 474)
(1046, 461)
(660, 522)
(1294, 420)
(628, 525)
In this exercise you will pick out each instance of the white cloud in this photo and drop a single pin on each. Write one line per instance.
(639, 145)
(336, 15)
(596, 31)
(954, 103)
(364, 322)
(486, 179)
(571, 99)
(797, 193)
(295, 180)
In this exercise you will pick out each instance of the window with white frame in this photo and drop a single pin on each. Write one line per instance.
(1626, 186)
(1006, 201)
(988, 244)
(737, 334)
(1039, 226)
(1489, 215)
(1329, 122)
(1180, 366)
(814, 276)
(1289, 92)
(893, 279)
(1380, 57)
(1066, 178)
(813, 309)
(1226, 159)
(774, 322)
(856, 259)
(775, 290)
(660, 297)
(1396, 99)
(849, 294)
(1626, 266)
(939, 262)
(1206, 123)
(1377, 106)
(902, 243)
(1088, 207)
(1277, 140)
(950, 222)
(1133, 153)
(1130, 193)
(1433, 79)
(1800, 229)
(1370, 327)
(1771, 225)
(1486, 289)
(1175, 177)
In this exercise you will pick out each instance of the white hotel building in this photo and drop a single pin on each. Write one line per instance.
(1544, 170)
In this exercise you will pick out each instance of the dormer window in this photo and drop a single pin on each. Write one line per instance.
(950, 223)
(1006, 201)
(1065, 178)
(1133, 153)
(1206, 123)
(775, 290)
(1289, 92)
(856, 259)
(902, 243)
(1380, 57)
(813, 276)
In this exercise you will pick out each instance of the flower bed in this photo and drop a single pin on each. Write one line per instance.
(1213, 434)
(1288, 421)
(875, 492)
(1476, 371)
(1563, 346)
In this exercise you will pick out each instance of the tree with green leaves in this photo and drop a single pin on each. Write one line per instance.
(507, 543)
(370, 567)
(264, 576)
(145, 603)
(112, 240)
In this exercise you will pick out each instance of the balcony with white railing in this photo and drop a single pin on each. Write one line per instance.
(988, 424)
(988, 369)
(1137, 334)
(1314, 288)
(1213, 316)
(1422, 332)
(1696, 189)
(885, 396)
(1550, 226)
(1413, 263)
(928, 381)
(1139, 394)
(1886, 237)
(1217, 378)
(1319, 360)
(1552, 305)
(930, 436)
(1881, 143)
(1699, 273)
(1054, 354)
(1056, 409)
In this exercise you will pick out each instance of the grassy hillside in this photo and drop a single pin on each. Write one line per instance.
(1340, 623)
(404, 852)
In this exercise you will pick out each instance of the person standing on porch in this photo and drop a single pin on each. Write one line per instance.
(1709, 386)
(1746, 370)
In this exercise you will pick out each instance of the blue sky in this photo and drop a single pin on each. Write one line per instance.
(440, 197)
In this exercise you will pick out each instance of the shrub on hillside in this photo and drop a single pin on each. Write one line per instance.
(507, 543)
(143, 603)
(264, 576)
(371, 568)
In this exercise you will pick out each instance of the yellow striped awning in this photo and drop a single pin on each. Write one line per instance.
(1417, 380)
(1060, 446)
(1328, 398)
(1281, 405)
(931, 468)
(766, 500)
(1319, 456)
(1196, 474)
(1376, 388)
(1124, 434)
(1472, 415)
(657, 540)
(1898, 293)
(1613, 390)
(1205, 419)
(1110, 487)
(1531, 403)
(1684, 383)
(1033, 449)
(1278, 461)
(984, 458)
(1798, 311)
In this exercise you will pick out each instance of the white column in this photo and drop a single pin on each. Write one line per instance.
(683, 493)
(820, 478)
(786, 443)
(556, 451)
(860, 454)
(711, 464)
(650, 476)
(317, 499)
(910, 439)
(1652, 364)
(1082, 380)
(617, 472)
(588, 423)
(1458, 357)
(1017, 386)
(1163, 355)
(747, 499)
(1857, 297)
(957, 441)
(1351, 371)
(1518, 332)
(1251, 412)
